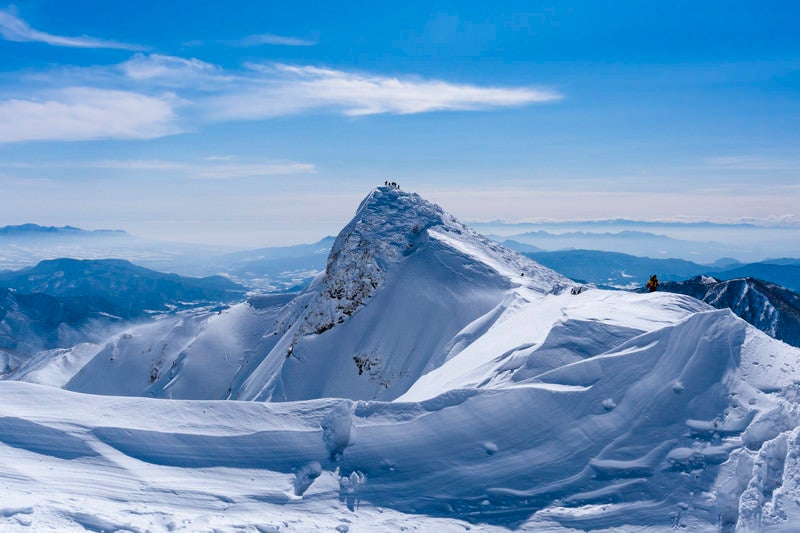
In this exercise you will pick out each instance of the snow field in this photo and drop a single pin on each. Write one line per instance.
(428, 380)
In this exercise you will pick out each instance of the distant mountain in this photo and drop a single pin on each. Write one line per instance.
(639, 243)
(278, 269)
(701, 242)
(781, 261)
(725, 263)
(64, 302)
(25, 245)
(520, 247)
(612, 269)
(617, 270)
(769, 307)
(33, 322)
(124, 289)
(785, 273)
(508, 228)
(284, 268)
(49, 231)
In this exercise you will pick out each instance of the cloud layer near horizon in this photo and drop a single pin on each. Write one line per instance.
(85, 113)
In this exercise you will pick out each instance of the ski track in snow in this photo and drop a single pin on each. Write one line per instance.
(438, 382)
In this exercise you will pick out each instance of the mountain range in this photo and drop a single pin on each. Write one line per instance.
(30, 323)
(702, 242)
(275, 269)
(612, 269)
(127, 290)
(35, 230)
(290, 268)
(428, 378)
(771, 308)
(62, 303)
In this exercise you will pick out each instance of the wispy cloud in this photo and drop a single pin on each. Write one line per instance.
(259, 39)
(13, 28)
(281, 89)
(168, 69)
(751, 163)
(251, 170)
(268, 90)
(210, 167)
(83, 113)
(269, 39)
(152, 95)
(208, 170)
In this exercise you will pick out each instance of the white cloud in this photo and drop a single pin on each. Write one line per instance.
(137, 164)
(210, 170)
(271, 39)
(284, 89)
(251, 170)
(146, 97)
(751, 163)
(157, 67)
(13, 28)
(83, 113)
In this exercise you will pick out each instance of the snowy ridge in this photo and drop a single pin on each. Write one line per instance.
(677, 427)
(432, 277)
(390, 225)
(528, 340)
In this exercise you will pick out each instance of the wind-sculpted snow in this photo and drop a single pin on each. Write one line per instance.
(667, 429)
(530, 338)
(36, 438)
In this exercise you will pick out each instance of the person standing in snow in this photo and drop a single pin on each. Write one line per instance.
(652, 285)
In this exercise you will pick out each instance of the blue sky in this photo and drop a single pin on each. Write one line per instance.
(259, 123)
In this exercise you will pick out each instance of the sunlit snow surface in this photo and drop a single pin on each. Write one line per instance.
(499, 401)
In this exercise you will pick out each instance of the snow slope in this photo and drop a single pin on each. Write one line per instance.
(403, 281)
(685, 425)
(425, 277)
(432, 386)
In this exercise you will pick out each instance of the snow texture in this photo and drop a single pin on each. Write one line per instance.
(421, 383)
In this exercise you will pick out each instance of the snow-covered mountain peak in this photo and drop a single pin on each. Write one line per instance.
(389, 226)
(403, 279)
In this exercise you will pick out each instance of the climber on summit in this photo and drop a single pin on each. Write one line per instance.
(652, 284)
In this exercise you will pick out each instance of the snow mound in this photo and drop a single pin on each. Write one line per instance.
(672, 428)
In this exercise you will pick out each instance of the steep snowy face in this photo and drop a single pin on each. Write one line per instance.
(403, 280)
(389, 226)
